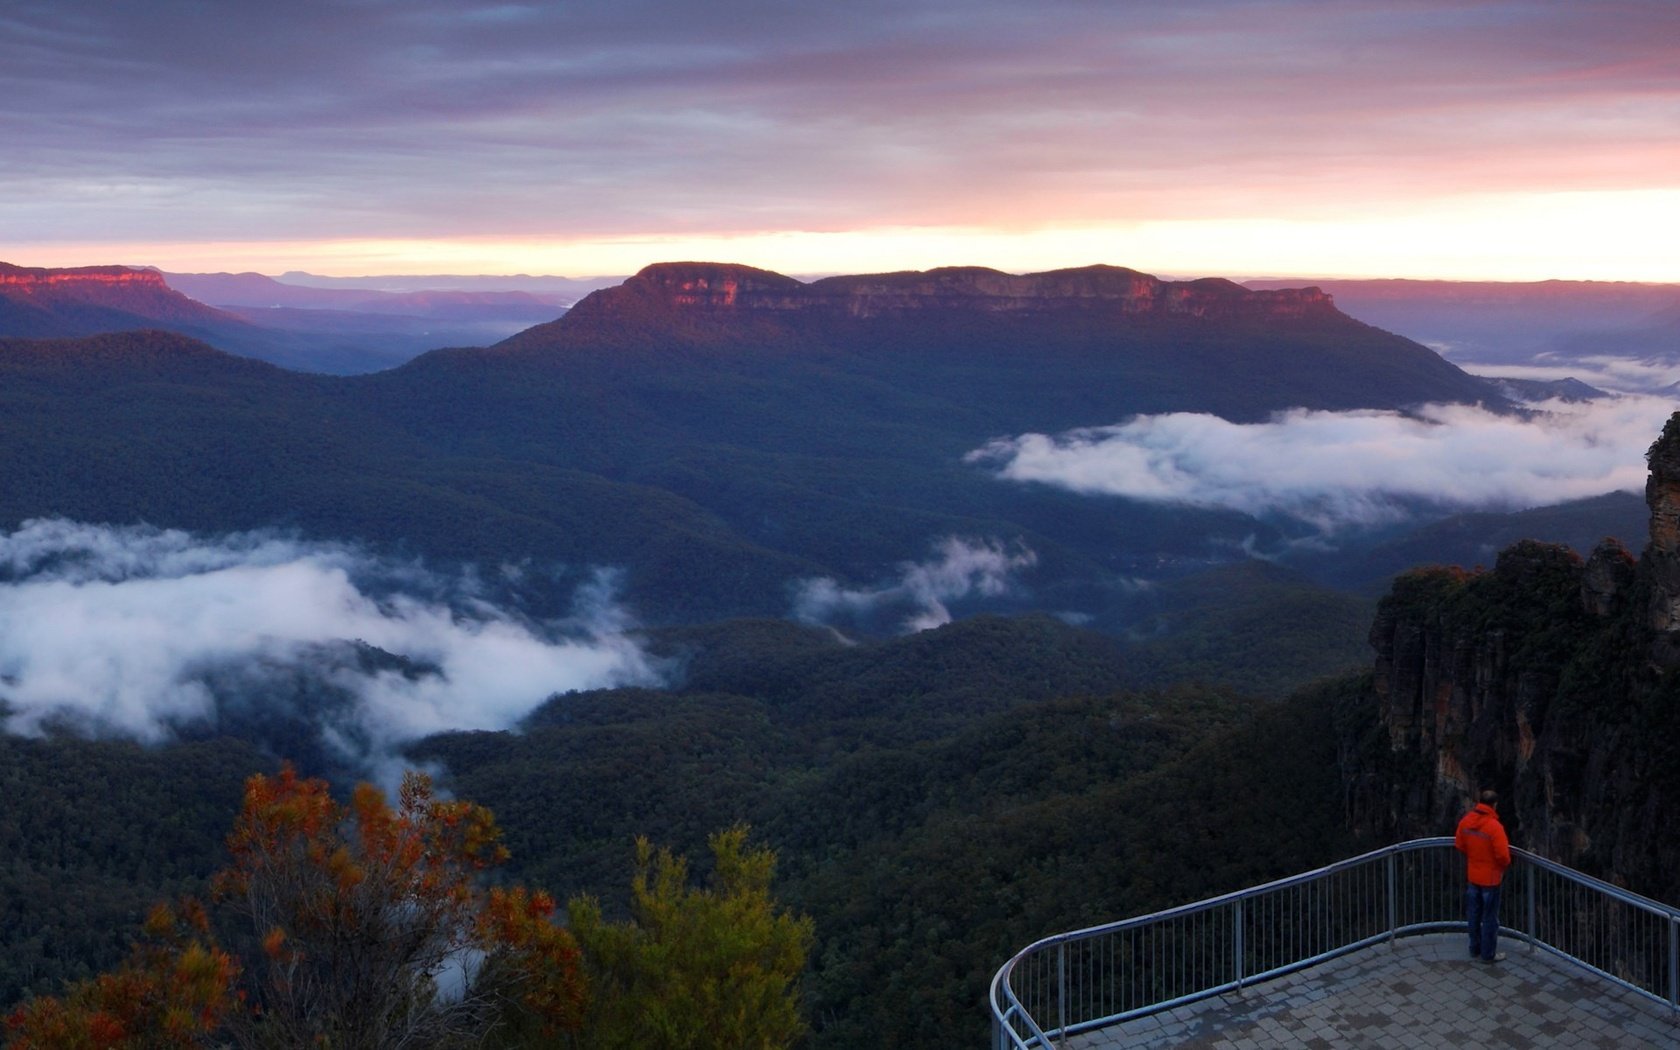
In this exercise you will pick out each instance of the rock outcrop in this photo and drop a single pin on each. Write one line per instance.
(38, 302)
(726, 287)
(1661, 563)
(1002, 341)
(1607, 577)
(35, 280)
(1548, 678)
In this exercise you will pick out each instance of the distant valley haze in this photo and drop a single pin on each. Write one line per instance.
(1049, 441)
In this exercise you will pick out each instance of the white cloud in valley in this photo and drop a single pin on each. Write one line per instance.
(1606, 372)
(921, 593)
(132, 630)
(1336, 469)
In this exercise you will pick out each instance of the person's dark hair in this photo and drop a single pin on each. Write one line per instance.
(1490, 796)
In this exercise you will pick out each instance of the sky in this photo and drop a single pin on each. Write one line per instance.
(1511, 139)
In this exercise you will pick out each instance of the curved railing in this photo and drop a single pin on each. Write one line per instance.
(1092, 978)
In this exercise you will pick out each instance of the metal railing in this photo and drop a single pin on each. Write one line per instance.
(1087, 979)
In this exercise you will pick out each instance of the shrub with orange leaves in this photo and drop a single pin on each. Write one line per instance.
(375, 928)
(370, 929)
(174, 990)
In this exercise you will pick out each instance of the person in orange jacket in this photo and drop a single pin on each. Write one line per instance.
(1487, 853)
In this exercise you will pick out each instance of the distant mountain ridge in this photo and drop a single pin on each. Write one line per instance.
(45, 303)
(1142, 345)
(1562, 326)
(332, 330)
(721, 433)
(717, 286)
(545, 285)
(235, 290)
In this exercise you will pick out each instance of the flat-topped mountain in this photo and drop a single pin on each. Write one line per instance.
(720, 433)
(42, 303)
(1106, 289)
(336, 330)
(1008, 343)
(76, 282)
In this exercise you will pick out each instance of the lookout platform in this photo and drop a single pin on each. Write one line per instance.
(1367, 952)
(1419, 991)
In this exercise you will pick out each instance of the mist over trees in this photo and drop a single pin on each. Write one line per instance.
(635, 586)
(933, 802)
(364, 926)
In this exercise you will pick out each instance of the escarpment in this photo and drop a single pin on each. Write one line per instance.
(1555, 681)
(742, 289)
(35, 279)
(1005, 344)
(39, 302)
(109, 286)
(1661, 563)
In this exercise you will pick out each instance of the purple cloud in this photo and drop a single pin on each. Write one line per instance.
(324, 119)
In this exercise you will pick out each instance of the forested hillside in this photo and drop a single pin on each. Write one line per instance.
(935, 802)
(720, 455)
(963, 712)
(1548, 676)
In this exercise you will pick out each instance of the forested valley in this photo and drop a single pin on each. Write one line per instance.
(934, 803)
(827, 659)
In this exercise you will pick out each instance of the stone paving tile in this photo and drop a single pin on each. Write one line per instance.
(1420, 992)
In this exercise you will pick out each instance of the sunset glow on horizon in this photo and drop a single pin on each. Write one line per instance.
(1508, 140)
(1507, 241)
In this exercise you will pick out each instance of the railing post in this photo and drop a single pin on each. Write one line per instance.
(1673, 962)
(1532, 917)
(1015, 1027)
(1393, 905)
(1061, 994)
(1237, 942)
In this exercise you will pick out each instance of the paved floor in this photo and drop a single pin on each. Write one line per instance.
(1421, 992)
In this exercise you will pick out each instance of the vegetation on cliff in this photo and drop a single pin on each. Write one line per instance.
(715, 471)
(362, 925)
(935, 803)
(1548, 678)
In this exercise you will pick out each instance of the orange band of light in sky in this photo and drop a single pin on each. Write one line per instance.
(1502, 139)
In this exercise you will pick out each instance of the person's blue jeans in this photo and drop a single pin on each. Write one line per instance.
(1481, 908)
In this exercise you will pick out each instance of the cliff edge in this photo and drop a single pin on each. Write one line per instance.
(730, 288)
(1554, 680)
(43, 303)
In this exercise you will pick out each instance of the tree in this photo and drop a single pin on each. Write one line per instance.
(374, 929)
(694, 968)
(174, 990)
(369, 929)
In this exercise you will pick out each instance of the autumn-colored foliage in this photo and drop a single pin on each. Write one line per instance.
(544, 957)
(175, 989)
(375, 928)
(370, 928)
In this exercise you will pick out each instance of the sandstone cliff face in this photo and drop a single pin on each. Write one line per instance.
(73, 292)
(1007, 346)
(1661, 563)
(39, 277)
(1551, 680)
(723, 287)
(82, 282)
